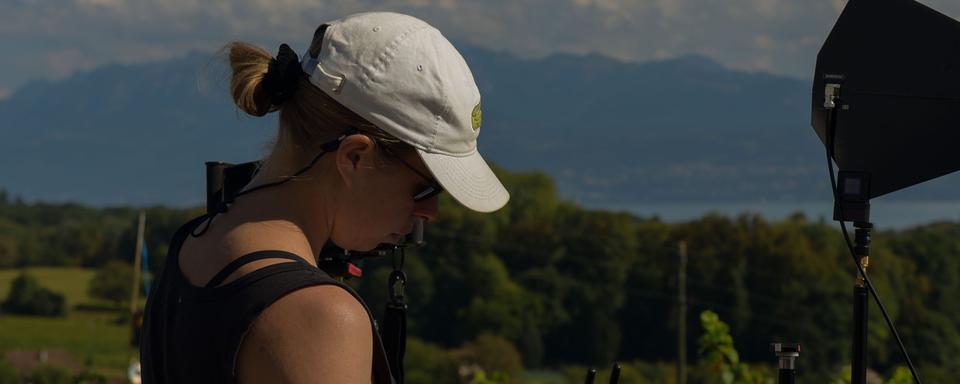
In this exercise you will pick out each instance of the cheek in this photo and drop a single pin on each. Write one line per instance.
(380, 207)
(393, 194)
(385, 198)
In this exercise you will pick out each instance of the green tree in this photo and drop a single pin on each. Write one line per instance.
(10, 249)
(426, 363)
(573, 286)
(498, 304)
(112, 282)
(27, 297)
(598, 249)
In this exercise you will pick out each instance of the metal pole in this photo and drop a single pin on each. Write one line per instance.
(858, 374)
(135, 295)
(682, 315)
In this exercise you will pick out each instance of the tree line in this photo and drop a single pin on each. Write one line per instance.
(569, 285)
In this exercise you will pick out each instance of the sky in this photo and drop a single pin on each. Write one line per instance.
(52, 39)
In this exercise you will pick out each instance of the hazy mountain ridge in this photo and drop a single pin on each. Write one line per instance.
(123, 134)
(610, 132)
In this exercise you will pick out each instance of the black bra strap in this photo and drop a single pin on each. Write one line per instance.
(249, 258)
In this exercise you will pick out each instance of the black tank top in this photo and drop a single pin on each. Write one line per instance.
(193, 334)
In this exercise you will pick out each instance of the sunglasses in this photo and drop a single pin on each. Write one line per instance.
(432, 189)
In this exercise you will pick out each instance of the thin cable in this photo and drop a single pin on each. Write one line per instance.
(225, 205)
(831, 127)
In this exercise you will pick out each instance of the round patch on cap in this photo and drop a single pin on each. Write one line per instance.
(475, 117)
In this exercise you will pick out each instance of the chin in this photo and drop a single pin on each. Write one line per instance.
(365, 248)
(385, 241)
(372, 244)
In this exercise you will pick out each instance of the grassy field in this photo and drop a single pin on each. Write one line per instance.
(92, 337)
(91, 340)
(71, 282)
(96, 338)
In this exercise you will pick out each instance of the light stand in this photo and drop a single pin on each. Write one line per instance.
(852, 203)
(886, 104)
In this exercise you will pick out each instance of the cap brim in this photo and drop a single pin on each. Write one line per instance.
(468, 179)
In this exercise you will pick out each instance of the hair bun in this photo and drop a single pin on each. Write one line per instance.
(280, 81)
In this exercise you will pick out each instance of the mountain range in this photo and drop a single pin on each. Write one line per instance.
(609, 132)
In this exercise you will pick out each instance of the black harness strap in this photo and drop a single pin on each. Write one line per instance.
(381, 364)
(246, 259)
(394, 332)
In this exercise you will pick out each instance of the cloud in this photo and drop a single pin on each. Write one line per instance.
(53, 38)
(100, 3)
(64, 62)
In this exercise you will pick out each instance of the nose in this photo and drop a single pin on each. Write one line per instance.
(427, 209)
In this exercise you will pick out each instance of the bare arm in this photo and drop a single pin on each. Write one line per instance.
(319, 334)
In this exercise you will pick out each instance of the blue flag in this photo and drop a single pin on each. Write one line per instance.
(145, 266)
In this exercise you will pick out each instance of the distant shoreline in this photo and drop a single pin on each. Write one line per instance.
(892, 214)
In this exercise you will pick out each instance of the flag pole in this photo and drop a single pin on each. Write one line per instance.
(135, 294)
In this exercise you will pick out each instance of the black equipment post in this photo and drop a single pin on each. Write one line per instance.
(858, 374)
(591, 375)
(860, 303)
(615, 374)
(787, 354)
(215, 178)
(225, 181)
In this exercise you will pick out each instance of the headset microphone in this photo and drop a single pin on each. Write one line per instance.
(418, 233)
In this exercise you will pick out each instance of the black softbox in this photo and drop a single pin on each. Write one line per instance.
(897, 65)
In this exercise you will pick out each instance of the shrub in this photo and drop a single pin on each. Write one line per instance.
(112, 282)
(50, 374)
(27, 297)
(8, 374)
(426, 363)
(494, 355)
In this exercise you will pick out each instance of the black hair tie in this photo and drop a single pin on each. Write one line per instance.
(280, 82)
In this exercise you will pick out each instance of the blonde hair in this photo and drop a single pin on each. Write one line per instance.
(307, 119)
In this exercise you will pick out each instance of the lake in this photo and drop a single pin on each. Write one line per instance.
(884, 214)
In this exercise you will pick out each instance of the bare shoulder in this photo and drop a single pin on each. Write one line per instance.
(318, 334)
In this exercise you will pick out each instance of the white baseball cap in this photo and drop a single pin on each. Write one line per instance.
(402, 75)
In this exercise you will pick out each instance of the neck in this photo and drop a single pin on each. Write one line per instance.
(297, 213)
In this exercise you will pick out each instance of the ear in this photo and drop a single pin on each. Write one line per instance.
(355, 154)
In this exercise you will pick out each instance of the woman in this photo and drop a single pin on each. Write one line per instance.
(380, 116)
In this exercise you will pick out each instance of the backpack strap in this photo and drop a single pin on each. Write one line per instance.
(247, 259)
